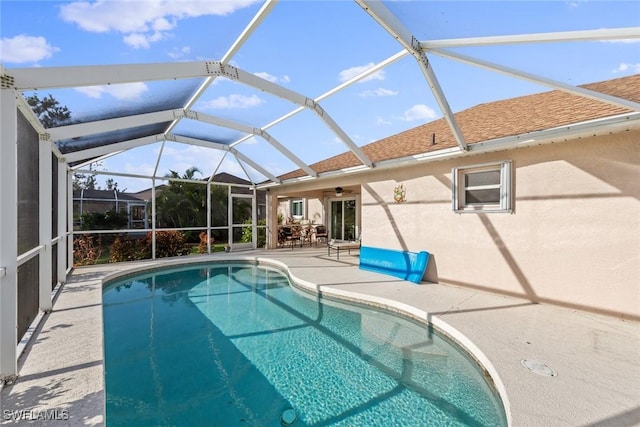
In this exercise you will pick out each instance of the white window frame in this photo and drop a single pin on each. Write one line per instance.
(503, 205)
(291, 208)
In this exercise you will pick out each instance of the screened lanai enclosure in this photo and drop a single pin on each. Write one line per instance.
(257, 90)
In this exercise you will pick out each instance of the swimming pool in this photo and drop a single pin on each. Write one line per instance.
(235, 344)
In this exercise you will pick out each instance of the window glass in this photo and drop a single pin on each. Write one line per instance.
(482, 188)
(482, 196)
(297, 208)
(491, 177)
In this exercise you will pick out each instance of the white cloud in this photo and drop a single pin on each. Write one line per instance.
(624, 68)
(23, 48)
(137, 41)
(137, 168)
(272, 78)
(623, 41)
(350, 73)
(418, 112)
(233, 101)
(142, 22)
(377, 92)
(180, 53)
(181, 158)
(143, 41)
(381, 121)
(125, 91)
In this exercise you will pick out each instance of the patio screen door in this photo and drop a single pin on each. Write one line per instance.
(343, 219)
(241, 224)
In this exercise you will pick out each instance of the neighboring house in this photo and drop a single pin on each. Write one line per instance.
(544, 205)
(100, 201)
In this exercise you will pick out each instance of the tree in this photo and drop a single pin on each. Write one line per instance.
(49, 111)
(87, 181)
(182, 204)
(111, 184)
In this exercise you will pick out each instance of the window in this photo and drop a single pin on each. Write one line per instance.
(483, 188)
(297, 208)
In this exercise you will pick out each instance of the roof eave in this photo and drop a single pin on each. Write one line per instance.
(591, 128)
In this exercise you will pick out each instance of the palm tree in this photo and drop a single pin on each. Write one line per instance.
(182, 204)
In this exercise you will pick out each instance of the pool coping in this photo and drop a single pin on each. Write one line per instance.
(411, 312)
(62, 366)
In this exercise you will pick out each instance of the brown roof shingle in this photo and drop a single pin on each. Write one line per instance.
(498, 119)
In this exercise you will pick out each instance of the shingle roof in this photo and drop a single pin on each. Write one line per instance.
(498, 119)
(107, 195)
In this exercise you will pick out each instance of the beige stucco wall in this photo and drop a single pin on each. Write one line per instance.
(313, 208)
(573, 239)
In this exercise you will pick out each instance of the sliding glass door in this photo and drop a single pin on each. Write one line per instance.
(343, 219)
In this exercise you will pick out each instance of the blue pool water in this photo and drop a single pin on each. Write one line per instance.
(236, 345)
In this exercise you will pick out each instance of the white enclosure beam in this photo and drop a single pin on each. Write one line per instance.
(201, 143)
(28, 113)
(195, 115)
(153, 218)
(8, 235)
(62, 221)
(94, 160)
(99, 75)
(252, 80)
(44, 224)
(69, 188)
(254, 165)
(92, 153)
(195, 141)
(54, 77)
(266, 8)
(110, 125)
(260, 16)
(565, 36)
(333, 91)
(244, 170)
(371, 70)
(393, 26)
(620, 102)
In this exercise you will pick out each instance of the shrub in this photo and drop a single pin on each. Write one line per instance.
(126, 249)
(204, 239)
(168, 243)
(85, 250)
(262, 234)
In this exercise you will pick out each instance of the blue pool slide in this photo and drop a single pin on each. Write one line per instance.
(402, 264)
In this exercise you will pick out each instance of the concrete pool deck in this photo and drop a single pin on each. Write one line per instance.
(596, 358)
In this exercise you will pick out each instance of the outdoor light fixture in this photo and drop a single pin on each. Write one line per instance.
(338, 191)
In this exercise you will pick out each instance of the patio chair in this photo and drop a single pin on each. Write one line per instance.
(321, 233)
(287, 234)
(305, 235)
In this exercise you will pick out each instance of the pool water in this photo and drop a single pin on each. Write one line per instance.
(236, 345)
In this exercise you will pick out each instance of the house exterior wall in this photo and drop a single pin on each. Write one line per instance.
(573, 238)
(313, 208)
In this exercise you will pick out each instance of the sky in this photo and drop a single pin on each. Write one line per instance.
(309, 47)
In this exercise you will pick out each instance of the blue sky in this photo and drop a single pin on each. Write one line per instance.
(309, 47)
